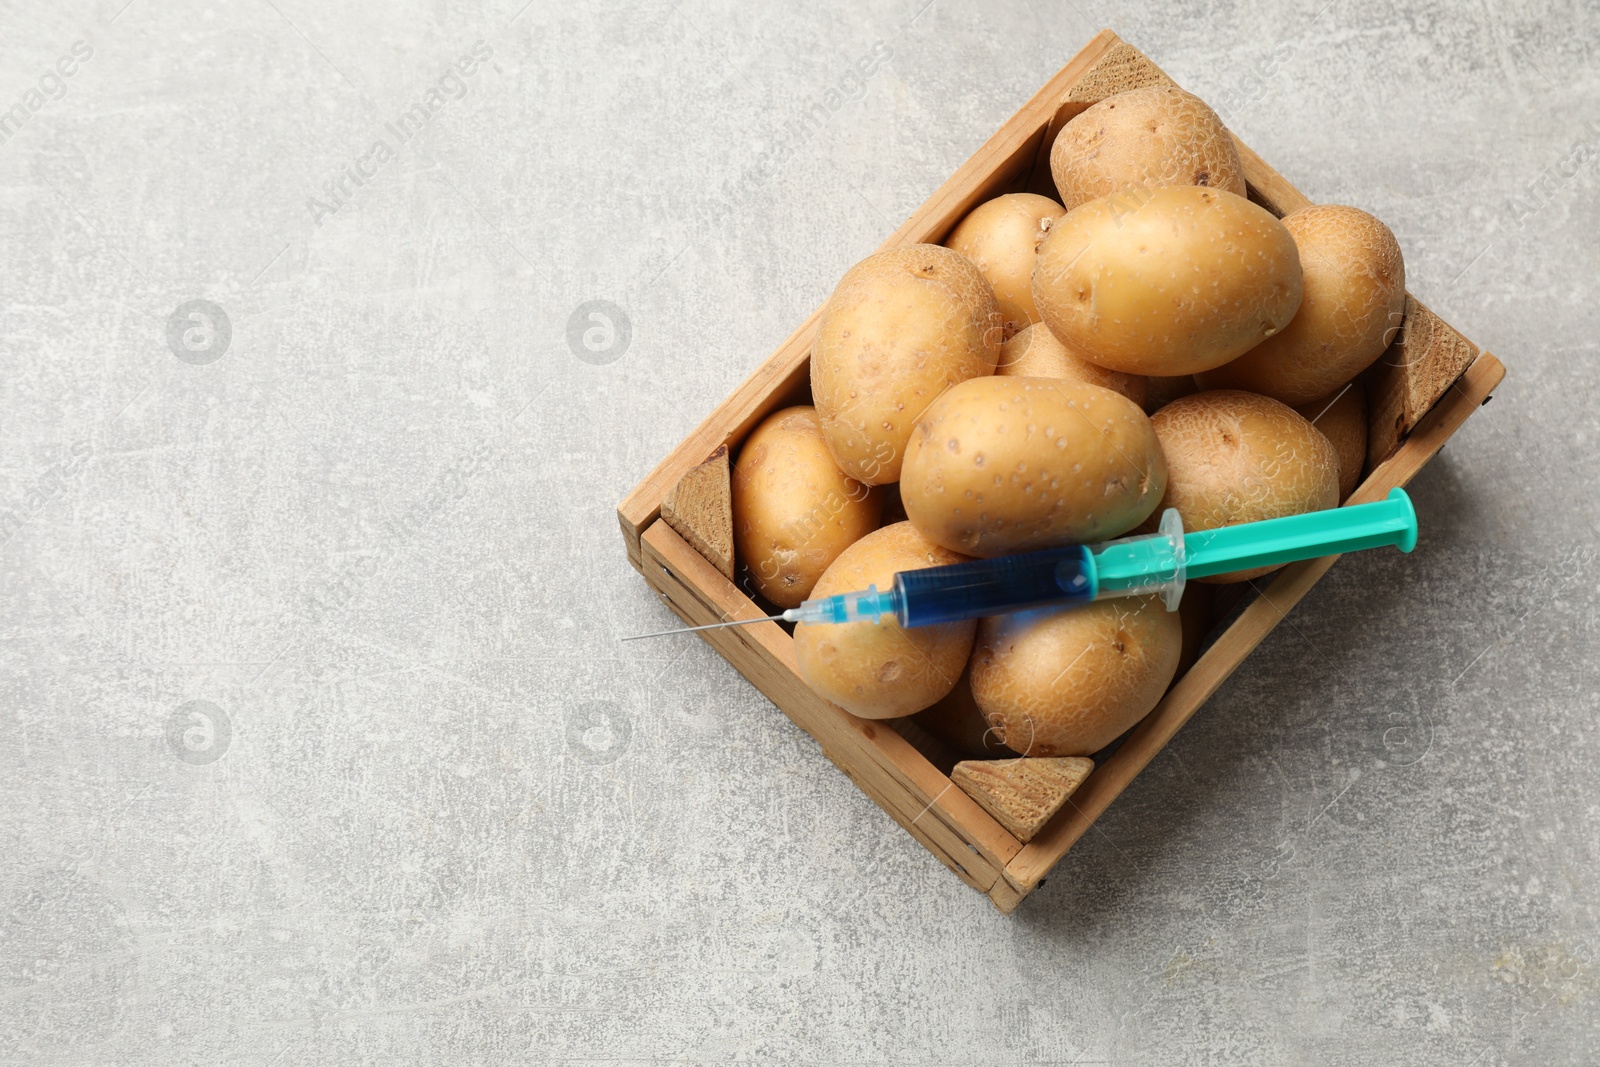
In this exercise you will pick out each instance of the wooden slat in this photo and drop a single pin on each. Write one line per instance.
(1022, 794)
(947, 822)
(1006, 896)
(1258, 619)
(700, 508)
(1426, 358)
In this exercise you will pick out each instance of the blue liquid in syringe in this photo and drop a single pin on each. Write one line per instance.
(995, 586)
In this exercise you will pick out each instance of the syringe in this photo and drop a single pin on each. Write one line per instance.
(1158, 563)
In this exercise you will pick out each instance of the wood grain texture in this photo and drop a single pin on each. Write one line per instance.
(1119, 69)
(700, 508)
(1427, 356)
(1006, 896)
(1022, 794)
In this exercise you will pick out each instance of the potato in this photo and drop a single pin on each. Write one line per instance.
(1037, 353)
(1342, 418)
(1156, 136)
(1000, 465)
(1237, 457)
(877, 670)
(1167, 281)
(1355, 299)
(1002, 238)
(1069, 681)
(902, 327)
(794, 510)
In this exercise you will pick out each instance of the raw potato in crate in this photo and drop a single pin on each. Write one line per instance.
(1001, 465)
(1235, 457)
(794, 510)
(1153, 137)
(1002, 238)
(875, 669)
(1342, 418)
(901, 328)
(1167, 281)
(1355, 297)
(1069, 682)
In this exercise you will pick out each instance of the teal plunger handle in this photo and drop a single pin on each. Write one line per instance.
(1392, 521)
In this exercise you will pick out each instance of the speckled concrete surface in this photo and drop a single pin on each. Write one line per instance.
(317, 745)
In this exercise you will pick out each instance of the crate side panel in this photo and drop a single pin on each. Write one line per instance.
(1426, 358)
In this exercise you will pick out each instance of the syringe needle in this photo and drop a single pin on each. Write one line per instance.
(708, 626)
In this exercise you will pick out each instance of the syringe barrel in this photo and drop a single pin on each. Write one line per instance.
(986, 587)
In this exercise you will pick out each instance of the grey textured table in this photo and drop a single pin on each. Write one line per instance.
(317, 744)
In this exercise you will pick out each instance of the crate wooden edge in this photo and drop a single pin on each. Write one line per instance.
(1195, 687)
(883, 764)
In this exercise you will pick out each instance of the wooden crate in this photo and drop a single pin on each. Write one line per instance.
(1419, 393)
